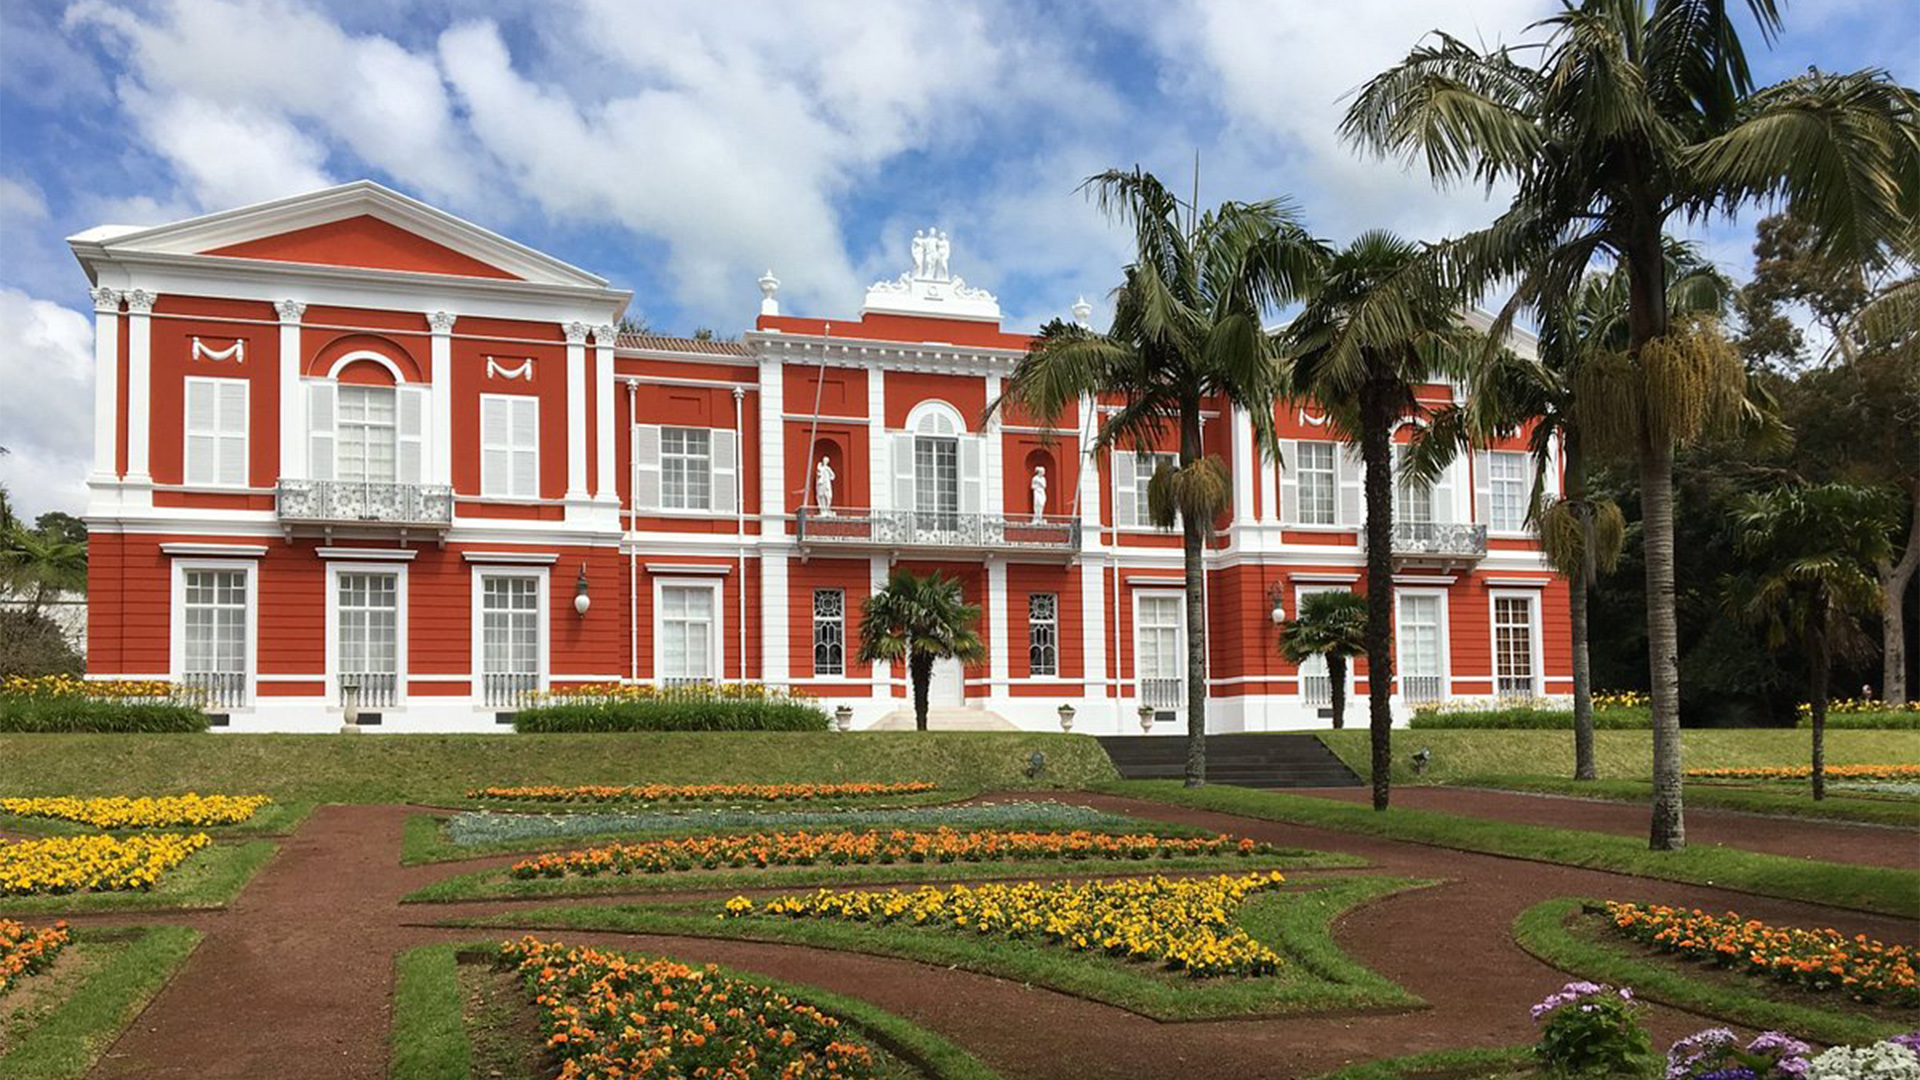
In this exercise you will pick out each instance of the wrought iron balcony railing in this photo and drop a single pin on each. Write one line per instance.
(1437, 540)
(932, 529)
(344, 502)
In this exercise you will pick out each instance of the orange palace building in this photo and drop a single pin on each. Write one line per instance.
(347, 439)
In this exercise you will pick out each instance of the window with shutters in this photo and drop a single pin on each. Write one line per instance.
(1418, 648)
(216, 452)
(688, 632)
(510, 446)
(936, 477)
(1146, 464)
(1513, 642)
(366, 434)
(1506, 491)
(829, 632)
(686, 468)
(1413, 498)
(1043, 634)
(1313, 472)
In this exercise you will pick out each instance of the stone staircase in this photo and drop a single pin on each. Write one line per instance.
(1268, 760)
(949, 718)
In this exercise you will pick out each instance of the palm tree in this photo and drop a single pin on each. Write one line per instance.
(1892, 316)
(1814, 550)
(1381, 323)
(1637, 112)
(38, 564)
(1332, 624)
(1187, 334)
(1580, 534)
(920, 620)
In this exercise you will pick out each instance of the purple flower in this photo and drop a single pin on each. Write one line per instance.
(1737, 1072)
(1911, 1040)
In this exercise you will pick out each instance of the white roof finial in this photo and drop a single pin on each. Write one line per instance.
(769, 286)
(1082, 312)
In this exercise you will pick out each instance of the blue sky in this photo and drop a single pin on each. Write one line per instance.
(682, 149)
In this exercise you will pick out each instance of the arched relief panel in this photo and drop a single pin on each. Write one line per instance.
(393, 353)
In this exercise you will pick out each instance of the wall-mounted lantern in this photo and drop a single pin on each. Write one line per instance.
(581, 601)
(1277, 600)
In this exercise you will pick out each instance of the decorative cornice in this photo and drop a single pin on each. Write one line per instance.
(105, 300)
(140, 302)
(441, 322)
(605, 334)
(290, 311)
(576, 333)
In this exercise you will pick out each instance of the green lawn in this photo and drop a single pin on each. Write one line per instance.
(1559, 933)
(118, 971)
(1315, 974)
(209, 878)
(442, 768)
(1781, 799)
(1460, 756)
(1864, 888)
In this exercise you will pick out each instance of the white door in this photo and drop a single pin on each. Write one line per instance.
(1159, 651)
(947, 688)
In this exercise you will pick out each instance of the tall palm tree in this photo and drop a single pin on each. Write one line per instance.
(1635, 112)
(1331, 624)
(920, 619)
(1814, 550)
(1382, 322)
(1538, 396)
(1892, 316)
(1187, 335)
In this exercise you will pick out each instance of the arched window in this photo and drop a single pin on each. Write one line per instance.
(937, 467)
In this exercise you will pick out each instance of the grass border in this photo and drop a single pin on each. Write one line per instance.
(426, 1046)
(1844, 809)
(1303, 932)
(1541, 931)
(494, 885)
(210, 878)
(80, 1029)
(1876, 889)
(1450, 1062)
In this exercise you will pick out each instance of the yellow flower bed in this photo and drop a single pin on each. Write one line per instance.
(1820, 959)
(1847, 706)
(1803, 772)
(66, 864)
(1183, 923)
(601, 693)
(119, 812)
(24, 950)
(69, 686)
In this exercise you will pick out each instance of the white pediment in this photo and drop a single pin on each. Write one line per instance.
(930, 288)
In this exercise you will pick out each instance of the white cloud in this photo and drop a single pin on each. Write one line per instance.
(49, 432)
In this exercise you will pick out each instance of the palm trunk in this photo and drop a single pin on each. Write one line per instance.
(920, 668)
(1577, 586)
(1894, 579)
(1376, 420)
(1337, 681)
(1822, 673)
(1667, 831)
(1193, 543)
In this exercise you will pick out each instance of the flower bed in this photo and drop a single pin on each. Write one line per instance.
(166, 811)
(607, 793)
(1818, 959)
(699, 707)
(66, 864)
(1864, 714)
(62, 703)
(25, 950)
(1804, 772)
(478, 827)
(1186, 924)
(841, 846)
(1620, 710)
(606, 1016)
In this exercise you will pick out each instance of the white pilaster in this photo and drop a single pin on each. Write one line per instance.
(993, 502)
(882, 671)
(293, 411)
(879, 469)
(1089, 474)
(776, 668)
(606, 487)
(576, 411)
(997, 630)
(440, 441)
(1094, 630)
(106, 386)
(773, 451)
(1245, 466)
(139, 394)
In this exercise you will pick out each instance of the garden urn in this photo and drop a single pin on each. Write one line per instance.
(843, 717)
(1146, 718)
(1066, 718)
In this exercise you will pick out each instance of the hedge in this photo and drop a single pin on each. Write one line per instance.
(1889, 719)
(1528, 717)
(660, 714)
(35, 714)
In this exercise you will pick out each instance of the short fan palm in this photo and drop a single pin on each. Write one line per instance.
(919, 620)
(1333, 625)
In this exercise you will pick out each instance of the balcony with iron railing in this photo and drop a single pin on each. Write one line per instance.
(1430, 542)
(893, 530)
(329, 503)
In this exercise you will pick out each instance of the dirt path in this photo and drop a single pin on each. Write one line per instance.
(1872, 845)
(295, 979)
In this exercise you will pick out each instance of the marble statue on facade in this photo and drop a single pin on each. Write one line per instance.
(1039, 493)
(823, 487)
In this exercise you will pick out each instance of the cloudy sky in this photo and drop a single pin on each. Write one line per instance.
(681, 149)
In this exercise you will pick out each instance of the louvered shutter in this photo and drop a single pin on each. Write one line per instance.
(320, 395)
(1350, 472)
(1125, 480)
(903, 472)
(726, 473)
(646, 466)
(972, 452)
(496, 457)
(1289, 511)
(1443, 495)
(411, 405)
(231, 422)
(524, 437)
(1482, 487)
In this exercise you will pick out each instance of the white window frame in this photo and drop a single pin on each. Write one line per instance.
(1140, 596)
(817, 622)
(1331, 473)
(1445, 652)
(717, 642)
(401, 624)
(1053, 628)
(543, 660)
(177, 618)
(217, 433)
(1523, 496)
(1145, 464)
(706, 459)
(1536, 648)
(498, 487)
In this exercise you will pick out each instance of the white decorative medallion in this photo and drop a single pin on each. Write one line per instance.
(930, 288)
(498, 370)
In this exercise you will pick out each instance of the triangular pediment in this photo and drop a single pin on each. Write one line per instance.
(363, 225)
